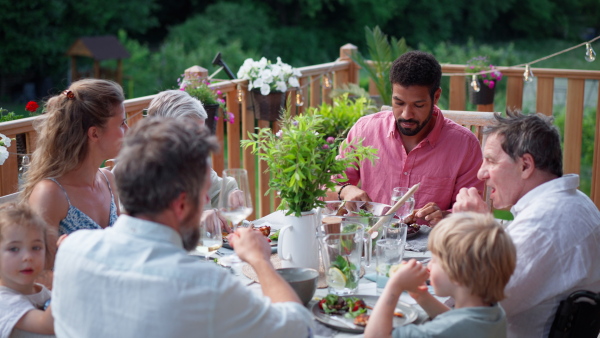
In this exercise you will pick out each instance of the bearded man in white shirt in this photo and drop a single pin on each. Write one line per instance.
(556, 228)
(135, 279)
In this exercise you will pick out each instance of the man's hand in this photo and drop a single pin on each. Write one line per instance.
(354, 193)
(470, 200)
(236, 198)
(431, 213)
(250, 245)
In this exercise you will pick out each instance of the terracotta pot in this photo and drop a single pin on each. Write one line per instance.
(267, 107)
(484, 96)
(212, 110)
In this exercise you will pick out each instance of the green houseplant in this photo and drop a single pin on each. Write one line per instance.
(212, 103)
(302, 160)
(383, 54)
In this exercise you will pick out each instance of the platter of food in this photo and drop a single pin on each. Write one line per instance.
(272, 235)
(351, 313)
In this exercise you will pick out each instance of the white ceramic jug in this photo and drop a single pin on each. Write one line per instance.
(297, 245)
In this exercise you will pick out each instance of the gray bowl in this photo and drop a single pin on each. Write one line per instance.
(302, 280)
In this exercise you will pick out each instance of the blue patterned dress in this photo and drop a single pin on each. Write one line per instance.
(77, 219)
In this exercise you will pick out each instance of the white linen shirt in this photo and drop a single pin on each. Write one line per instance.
(556, 231)
(136, 280)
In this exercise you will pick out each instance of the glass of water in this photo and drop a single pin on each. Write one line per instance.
(405, 209)
(211, 238)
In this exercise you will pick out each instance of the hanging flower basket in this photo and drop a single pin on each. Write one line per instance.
(484, 96)
(267, 107)
(212, 110)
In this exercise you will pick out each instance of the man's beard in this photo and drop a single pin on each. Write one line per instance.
(190, 231)
(418, 128)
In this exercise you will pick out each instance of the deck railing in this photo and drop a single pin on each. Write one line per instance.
(314, 92)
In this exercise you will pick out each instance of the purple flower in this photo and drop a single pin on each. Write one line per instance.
(295, 123)
(493, 75)
(326, 146)
(330, 139)
(231, 117)
(216, 118)
(487, 81)
(219, 92)
(491, 84)
(221, 101)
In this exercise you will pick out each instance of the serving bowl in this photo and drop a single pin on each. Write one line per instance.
(302, 280)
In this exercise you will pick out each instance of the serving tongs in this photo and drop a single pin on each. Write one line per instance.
(395, 207)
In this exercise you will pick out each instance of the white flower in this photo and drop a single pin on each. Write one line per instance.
(268, 76)
(265, 89)
(293, 81)
(3, 154)
(4, 141)
(280, 86)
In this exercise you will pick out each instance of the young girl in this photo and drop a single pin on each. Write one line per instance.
(23, 253)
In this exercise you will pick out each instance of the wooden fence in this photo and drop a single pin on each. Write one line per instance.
(314, 92)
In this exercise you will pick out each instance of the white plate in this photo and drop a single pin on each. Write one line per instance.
(341, 323)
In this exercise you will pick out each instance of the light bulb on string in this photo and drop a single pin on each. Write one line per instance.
(327, 81)
(590, 55)
(299, 99)
(240, 94)
(475, 84)
(528, 74)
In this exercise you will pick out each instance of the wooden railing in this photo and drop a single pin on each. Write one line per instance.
(314, 92)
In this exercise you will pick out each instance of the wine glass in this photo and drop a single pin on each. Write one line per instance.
(405, 209)
(211, 238)
(235, 204)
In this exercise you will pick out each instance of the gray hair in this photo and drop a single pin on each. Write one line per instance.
(160, 159)
(176, 103)
(530, 134)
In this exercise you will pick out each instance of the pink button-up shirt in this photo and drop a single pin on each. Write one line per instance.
(445, 161)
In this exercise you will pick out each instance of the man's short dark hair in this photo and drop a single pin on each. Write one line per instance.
(160, 159)
(416, 68)
(530, 134)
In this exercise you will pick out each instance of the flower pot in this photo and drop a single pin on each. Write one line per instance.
(297, 246)
(484, 96)
(212, 110)
(267, 107)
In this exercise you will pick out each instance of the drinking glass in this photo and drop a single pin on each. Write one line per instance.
(211, 238)
(408, 206)
(388, 258)
(236, 204)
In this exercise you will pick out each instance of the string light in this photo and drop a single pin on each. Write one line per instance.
(326, 81)
(528, 74)
(475, 84)
(590, 55)
(299, 99)
(240, 94)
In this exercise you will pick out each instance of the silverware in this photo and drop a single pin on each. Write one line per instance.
(339, 320)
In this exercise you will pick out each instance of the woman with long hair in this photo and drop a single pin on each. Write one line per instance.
(82, 127)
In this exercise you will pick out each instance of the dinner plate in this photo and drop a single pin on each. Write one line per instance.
(256, 224)
(341, 323)
(413, 234)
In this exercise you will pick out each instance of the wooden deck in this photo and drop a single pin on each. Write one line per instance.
(314, 93)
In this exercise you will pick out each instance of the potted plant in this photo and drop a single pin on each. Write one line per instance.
(302, 160)
(210, 99)
(267, 83)
(486, 76)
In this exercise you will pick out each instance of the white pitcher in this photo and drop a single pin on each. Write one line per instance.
(297, 245)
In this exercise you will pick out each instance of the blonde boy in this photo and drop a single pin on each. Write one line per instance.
(472, 261)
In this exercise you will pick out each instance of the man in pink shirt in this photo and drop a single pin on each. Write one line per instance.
(415, 143)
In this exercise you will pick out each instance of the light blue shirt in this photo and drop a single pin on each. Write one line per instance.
(136, 280)
(476, 322)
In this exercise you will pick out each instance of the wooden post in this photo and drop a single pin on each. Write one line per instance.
(346, 51)
(573, 126)
(249, 162)
(458, 93)
(595, 191)
(195, 73)
(74, 75)
(514, 92)
(96, 69)
(544, 95)
(120, 72)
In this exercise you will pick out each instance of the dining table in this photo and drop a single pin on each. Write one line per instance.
(415, 249)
